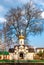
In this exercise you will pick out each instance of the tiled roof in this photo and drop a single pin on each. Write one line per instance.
(31, 50)
(11, 50)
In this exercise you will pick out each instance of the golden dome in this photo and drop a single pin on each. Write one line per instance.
(21, 37)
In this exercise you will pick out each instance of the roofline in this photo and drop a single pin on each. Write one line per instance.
(39, 48)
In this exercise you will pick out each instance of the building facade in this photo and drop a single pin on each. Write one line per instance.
(21, 52)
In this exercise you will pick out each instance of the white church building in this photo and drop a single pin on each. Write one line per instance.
(21, 51)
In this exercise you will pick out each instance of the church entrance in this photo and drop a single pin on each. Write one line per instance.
(21, 55)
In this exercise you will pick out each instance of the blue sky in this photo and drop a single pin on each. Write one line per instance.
(5, 5)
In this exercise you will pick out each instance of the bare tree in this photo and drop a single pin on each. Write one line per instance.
(25, 20)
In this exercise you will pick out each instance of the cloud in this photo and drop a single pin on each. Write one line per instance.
(23, 1)
(1, 8)
(42, 15)
(17, 1)
(2, 20)
(40, 2)
(8, 1)
(35, 1)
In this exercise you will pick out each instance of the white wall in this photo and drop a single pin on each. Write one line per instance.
(30, 56)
